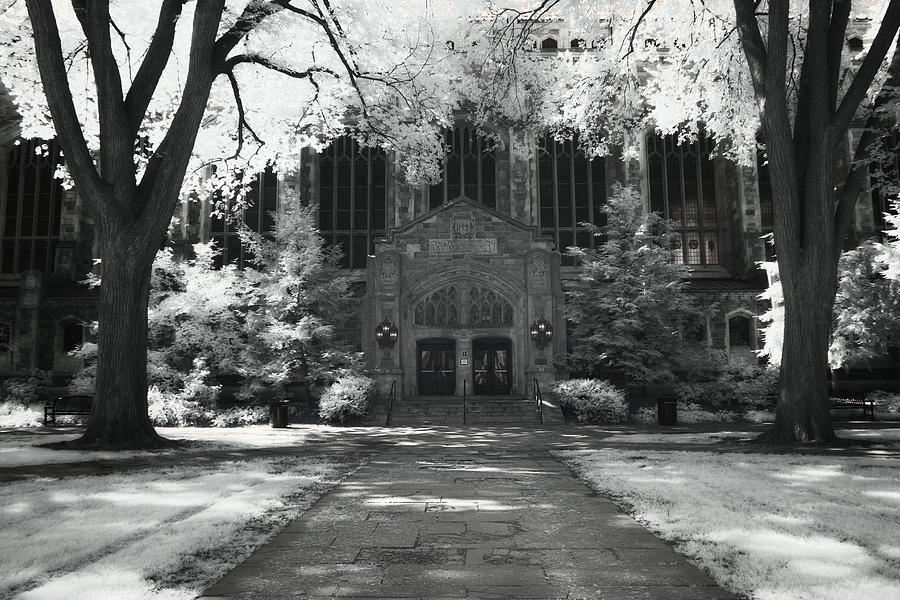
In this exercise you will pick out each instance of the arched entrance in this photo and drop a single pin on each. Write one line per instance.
(492, 366)
(436, 366)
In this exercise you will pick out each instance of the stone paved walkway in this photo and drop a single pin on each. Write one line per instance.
(488, 520)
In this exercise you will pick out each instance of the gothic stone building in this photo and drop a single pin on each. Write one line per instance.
(461, 270)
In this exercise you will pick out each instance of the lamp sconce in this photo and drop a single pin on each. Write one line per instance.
(386, 334)
(541, 332)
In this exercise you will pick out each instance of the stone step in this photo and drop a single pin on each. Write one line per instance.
(486, 410)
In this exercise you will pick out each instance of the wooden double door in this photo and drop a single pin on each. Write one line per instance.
(491, 366)
(436, 367)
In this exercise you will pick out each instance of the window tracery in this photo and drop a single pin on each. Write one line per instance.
(488, 309)
(463, 305)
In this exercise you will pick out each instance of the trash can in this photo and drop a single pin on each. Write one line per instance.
(278, 415)
(667, 410)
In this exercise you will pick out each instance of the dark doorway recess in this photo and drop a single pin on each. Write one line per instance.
(491, 368)
(436, 366)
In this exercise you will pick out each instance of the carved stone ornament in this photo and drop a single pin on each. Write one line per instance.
(464, 227)
(538, 268)
(389, 270)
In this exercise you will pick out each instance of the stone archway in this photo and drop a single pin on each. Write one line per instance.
(465, 304)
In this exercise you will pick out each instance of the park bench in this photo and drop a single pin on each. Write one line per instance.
(838, 399)
(67, 405)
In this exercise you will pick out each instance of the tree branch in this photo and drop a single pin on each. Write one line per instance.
(115, 148)
(632, 31)
(859, 174)
(242, 117)
(840, 16)
(48, 50)
(754, 48)
(269, 64)
(866, 73)
(155, 60)
(253, 14)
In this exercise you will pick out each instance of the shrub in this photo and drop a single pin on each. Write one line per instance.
(728, 384)
(887, 404)
(346, 397)
(593, 400)
(23, 389)
(690, 413)
(239, 416)
(167, 409)
(14, 413)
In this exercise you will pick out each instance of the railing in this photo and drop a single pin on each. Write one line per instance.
(465, 394)
(390, 403)
(539, 401)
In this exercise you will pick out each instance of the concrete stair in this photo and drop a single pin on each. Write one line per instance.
(479, 410)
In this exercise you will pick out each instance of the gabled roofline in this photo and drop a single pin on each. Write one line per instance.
(456, 203)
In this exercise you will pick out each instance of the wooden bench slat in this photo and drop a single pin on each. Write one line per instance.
(68, 405)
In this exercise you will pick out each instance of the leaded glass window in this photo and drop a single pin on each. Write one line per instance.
(469, 169)
(488, 309)
(31, 207)
(262, 202)
(464, 305)
(439, 309)
(683, 189)
(352, 199)
(572, 191)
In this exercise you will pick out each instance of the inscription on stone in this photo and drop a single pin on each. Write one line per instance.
(470, 247)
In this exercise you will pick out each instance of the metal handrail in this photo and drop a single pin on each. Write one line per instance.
(465, 393)
(390, 403)
(539, 400)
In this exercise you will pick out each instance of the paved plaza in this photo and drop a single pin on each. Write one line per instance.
(497, 517)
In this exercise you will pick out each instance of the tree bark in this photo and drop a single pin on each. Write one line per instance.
(120, 419)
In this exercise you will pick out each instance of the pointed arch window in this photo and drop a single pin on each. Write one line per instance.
(572, 190)
(469, 169)
(31, 207)
(439, 309)
(488, 309)
(352, 199)
(464, 305)
(682, 185)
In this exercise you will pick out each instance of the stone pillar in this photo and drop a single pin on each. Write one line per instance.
(27, 321)
(385, 280)
(542, 277)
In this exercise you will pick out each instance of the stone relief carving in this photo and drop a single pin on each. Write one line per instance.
(539, 268)
(389, 270)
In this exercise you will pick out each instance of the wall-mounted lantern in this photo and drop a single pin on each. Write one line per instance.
(386, 334)
(541, 332)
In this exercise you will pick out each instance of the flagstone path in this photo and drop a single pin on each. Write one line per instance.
(458, 520)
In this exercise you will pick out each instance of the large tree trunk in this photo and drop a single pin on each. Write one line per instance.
(803, 414)
(120, 418)
(808, 270)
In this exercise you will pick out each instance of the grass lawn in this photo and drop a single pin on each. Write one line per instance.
(766, 526)
(164, 533)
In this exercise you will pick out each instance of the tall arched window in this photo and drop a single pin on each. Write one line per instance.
(469, 169)
(683, 189)
(31, 207)
(352, 199)
(572, 191)
(262, 200)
